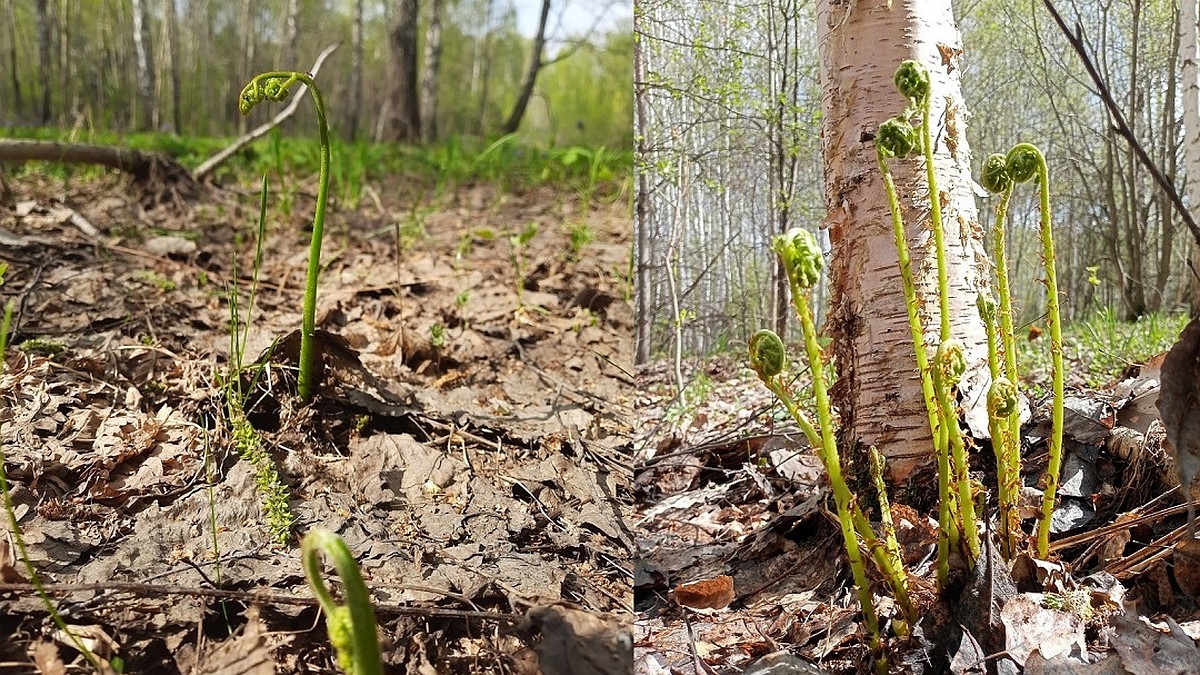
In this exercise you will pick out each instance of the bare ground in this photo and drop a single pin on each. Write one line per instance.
(480, 479)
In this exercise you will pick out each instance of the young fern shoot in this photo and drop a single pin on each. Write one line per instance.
(897, 138)
(351, 626)
(1025, 161)
(276, 86)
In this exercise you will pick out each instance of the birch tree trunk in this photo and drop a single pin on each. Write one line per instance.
(171, 35)
(1189, 56)
(147, 118)
(356, 78)
(878, 394)
(429, 73)
(291, 31)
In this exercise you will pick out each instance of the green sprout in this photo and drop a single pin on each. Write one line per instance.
(276, 86)
(351, 626)
(1024, 162)
(802, 258)
(897, 138)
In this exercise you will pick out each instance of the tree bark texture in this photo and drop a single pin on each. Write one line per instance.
(356, 83)
(404, 115)
(147, 118)
(1189, 56)
(535, 65)
(18, 103)
(43, 23)
(878, 393)
(642, 202)
(429, 74)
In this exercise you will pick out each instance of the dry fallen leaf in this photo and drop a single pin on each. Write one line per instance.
(715, 593)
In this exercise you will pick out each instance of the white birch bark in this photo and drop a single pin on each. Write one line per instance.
(879, 394)
(1189, 56)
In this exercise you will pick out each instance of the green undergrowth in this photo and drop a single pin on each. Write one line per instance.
(507, 160)
(1099, 348)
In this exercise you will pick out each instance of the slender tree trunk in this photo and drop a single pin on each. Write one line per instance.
(429, 75)
(43, 24)
(18, 101)
(1168, 144)
(481, 72)
(642, 201)
(535, 65)
(879, 393)
(356, 83)
(1189, 55)
(171, 31)
(247, 55)
(291, 30)
(148, 117)
(404, 115)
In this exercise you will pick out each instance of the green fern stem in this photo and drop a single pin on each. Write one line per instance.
(802, 258)
(1001, 405)
(895, 560)
(891, 567)
(1020, 159)
(935, 218)
(912, 305)
(948, 367)
(274, 86)
(352, 629)
(1008, 341)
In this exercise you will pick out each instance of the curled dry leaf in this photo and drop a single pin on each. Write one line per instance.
(1179, 406)
(715, 593)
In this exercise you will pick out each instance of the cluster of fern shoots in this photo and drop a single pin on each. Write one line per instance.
(940, 372)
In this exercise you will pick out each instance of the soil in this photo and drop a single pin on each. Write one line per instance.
(469, 438)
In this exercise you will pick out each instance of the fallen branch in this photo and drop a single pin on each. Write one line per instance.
(207, 166)
(143, 166)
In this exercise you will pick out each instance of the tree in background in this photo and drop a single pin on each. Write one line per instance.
(1189, 60)
(535, 66)
(74, 64)
(729, 91)
(430, 71)
(403, 111)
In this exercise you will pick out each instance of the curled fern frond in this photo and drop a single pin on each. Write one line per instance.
(1023, 162)
(1002, 398)
(912, 79)
(801, 255)
(767, 354)
(950, 361)
(273, 86)
(995, 177)
(897, 138)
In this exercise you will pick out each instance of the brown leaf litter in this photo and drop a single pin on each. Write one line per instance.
(727, 487)
(469, 443)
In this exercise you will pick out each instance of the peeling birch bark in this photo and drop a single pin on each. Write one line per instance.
(878, 394)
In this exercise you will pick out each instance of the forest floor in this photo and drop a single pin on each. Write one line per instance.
(469, 439)
(742, 568)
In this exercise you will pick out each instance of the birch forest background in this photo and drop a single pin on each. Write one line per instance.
(175, 66)
(728, 117)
